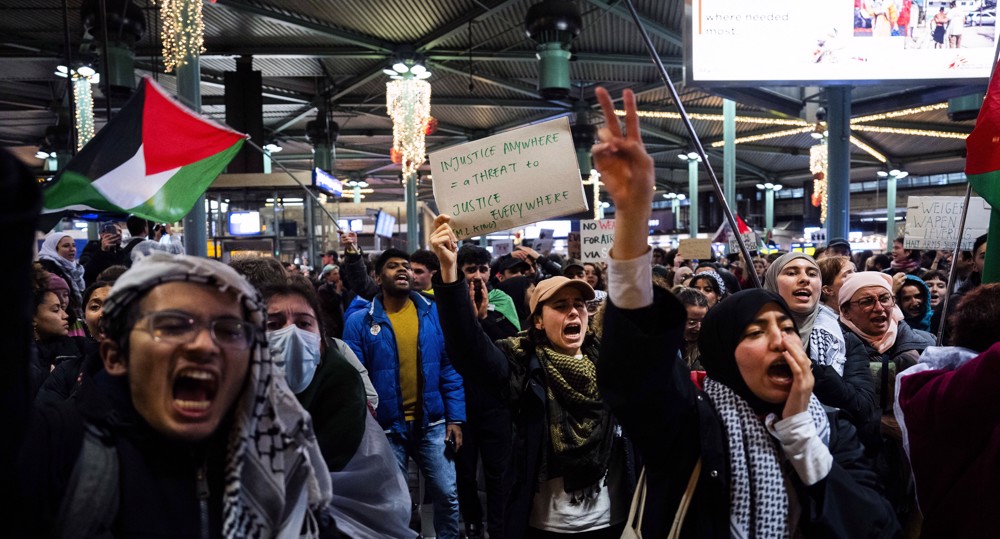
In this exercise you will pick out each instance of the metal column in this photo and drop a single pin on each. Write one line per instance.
(189, 92)
(693, 197)
(310, 231)
(890, 209)
(838, 109)
(729, 151)
(768, 210)
(412, 219)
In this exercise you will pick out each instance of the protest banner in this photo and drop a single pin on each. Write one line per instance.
(596, 239)
(573, 245)
(515, 178)
(695, 248)
(932, 222)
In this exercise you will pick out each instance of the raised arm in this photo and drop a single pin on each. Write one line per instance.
(640, 375)
(470, 349)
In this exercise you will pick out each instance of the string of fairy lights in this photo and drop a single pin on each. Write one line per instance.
(183, 32)
(799, 126)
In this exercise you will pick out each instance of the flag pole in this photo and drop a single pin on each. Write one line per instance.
(694, 139)
(953, 270)
(302, 185)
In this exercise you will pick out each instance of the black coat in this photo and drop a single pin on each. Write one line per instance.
(516, 383)
(673, 424)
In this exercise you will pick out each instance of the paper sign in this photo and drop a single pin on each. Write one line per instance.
(695, 248)
(502, 247)
(596, 239)
(573, 245)
(749, 238)
(932, 222)
(512, 179)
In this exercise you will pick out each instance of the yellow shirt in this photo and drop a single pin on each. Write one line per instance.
(407, 328)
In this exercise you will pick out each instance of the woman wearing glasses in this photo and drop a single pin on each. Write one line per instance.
(871, 318)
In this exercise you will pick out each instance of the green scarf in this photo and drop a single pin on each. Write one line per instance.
(579, 423)
(504, 305)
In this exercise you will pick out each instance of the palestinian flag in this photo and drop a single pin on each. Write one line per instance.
(982, 167)
(154, 159)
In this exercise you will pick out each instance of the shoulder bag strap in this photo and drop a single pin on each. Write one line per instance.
(633, 526)
(682, 508)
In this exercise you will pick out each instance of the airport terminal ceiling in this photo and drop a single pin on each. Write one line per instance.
(315, 54)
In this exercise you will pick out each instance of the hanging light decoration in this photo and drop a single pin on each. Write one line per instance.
(818, 167)
(81, 77)
(183, 32)
(408, 101)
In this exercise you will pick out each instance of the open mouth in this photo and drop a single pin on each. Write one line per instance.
(802, 294)
(402, 278)
(573, 329)
(194, 389)
(779, 372)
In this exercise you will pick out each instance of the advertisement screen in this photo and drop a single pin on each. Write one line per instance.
(740, 42)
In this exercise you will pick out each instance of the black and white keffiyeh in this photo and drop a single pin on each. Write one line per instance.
(276, 478)
(758, 499)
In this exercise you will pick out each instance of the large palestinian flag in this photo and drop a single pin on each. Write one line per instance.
(982, 167)
(154, 159)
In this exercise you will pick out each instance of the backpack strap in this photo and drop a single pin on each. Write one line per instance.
(90, 503)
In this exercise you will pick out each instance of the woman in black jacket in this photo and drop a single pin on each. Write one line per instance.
(766, 459)
(568, 472)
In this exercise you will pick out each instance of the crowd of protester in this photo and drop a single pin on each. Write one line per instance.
(161, 394)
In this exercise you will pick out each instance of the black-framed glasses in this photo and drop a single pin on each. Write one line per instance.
(178, 327)
(868, 303)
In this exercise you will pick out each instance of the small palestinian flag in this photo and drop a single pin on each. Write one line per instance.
(982, 167)
(154, 159)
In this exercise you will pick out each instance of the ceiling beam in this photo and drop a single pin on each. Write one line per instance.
(507, 85)
(449, 29)
(300, 21)
(654, 28)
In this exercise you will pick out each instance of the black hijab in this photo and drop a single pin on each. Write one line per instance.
(722, 330)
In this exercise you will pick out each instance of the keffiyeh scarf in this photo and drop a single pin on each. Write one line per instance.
(758, 498)
(276, 478)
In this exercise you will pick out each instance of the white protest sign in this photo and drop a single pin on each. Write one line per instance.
(932, 222)
(508, 180)
(502, 247)
(545, 242)
(749, 239)
(596, 238)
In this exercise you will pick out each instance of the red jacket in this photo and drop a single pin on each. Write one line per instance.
(950, 413)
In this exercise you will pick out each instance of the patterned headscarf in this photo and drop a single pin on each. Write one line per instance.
(862, 279)
(71, 268)
(276, 478)
(758, 496)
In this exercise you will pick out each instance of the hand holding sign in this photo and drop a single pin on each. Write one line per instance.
(445, 246)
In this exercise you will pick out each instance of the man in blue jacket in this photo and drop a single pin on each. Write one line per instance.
(421, 400)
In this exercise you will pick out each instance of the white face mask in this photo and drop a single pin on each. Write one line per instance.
(297, 350)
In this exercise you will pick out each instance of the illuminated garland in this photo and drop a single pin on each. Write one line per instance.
(83, 97)
(183, 32)
(765, 136)
(818, 166)
(869, 150)
(408, 102)
(913, 132)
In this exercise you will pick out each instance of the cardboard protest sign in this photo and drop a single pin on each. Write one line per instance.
(596, 239)
(932, 222)
(573, 245)
(695, 248)
(515, 178)
(502, 247)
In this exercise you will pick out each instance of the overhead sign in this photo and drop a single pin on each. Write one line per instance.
(508, 180)
(326, 183)
(596, 238)
(794, 42)
(932, 222)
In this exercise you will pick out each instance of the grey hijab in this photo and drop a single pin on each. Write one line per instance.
(804, 321)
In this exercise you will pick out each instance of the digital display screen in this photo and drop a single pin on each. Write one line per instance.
(326, 183)
(384, 224)
(244, 223)
(741, 42)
